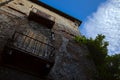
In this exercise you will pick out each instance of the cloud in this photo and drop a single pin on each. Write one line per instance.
(106, 21)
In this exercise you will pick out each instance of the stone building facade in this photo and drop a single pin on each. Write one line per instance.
(41, 38)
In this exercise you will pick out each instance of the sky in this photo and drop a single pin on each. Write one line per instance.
(97, 16)
(79, 9)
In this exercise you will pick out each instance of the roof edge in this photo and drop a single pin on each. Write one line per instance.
(56, 11)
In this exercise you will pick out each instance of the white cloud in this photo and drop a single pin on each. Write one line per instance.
(106, 20)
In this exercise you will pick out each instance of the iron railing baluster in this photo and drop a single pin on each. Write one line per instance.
(32, 45)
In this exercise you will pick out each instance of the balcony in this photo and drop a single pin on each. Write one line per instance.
(42, 18)
(28, 54)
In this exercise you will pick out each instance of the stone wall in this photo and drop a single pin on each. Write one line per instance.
(71, 61)
(25, 6)
(12, 74)
(10, 23)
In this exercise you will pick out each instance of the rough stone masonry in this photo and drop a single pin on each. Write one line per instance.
(71, 62)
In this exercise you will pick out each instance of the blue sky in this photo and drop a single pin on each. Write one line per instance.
(98, 17)
(79, 9)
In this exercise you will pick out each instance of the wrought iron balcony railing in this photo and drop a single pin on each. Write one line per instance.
(27, 53)
(31, 45)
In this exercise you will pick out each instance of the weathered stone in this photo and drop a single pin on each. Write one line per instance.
(12, 74)
(71, 61)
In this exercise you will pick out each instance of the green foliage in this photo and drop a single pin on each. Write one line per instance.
(112, 67)
(98, 51)
(97, 47)
(108, 67)
(81, 39)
